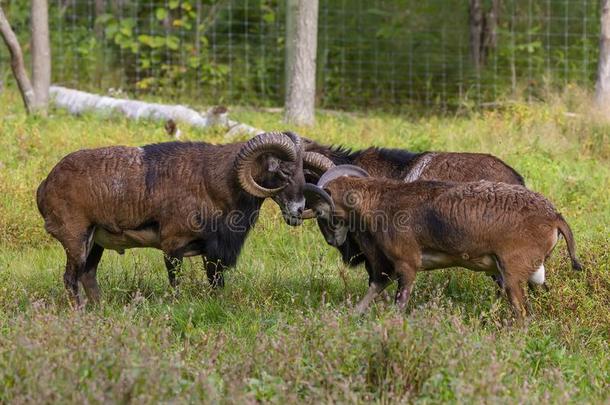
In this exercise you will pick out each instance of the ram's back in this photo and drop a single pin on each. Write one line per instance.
(484, 214)
(463, 167)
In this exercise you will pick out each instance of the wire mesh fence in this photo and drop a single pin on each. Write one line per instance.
(371, 53)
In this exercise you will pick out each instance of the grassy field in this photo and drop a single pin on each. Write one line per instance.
(281, 331)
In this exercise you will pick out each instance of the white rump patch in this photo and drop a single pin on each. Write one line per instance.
(538, 276)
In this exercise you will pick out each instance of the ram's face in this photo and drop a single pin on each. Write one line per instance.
(333, 220)
(290, 199)
(334, 231)
(270, 165)
(335, 200)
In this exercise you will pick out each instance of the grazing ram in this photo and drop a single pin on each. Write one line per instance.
(501, 229)
(407, 166)
(186, 199)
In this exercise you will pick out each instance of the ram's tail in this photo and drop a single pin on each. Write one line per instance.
(565, 230)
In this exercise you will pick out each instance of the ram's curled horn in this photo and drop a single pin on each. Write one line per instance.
(318, 198)
(276, 143)
(339, 171)
(317, 161)
(329, 175)
(320, 164)
(296, 139)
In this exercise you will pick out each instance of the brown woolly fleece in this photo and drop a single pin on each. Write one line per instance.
(399, 164)
(181, 197)
(498, 228)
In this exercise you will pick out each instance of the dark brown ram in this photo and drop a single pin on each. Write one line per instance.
(186, 199)
(501, 229)
(407, 166)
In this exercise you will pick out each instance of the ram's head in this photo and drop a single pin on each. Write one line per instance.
(270, 165)
(328, 201)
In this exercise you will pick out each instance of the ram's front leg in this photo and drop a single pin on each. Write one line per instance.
(375, 287)
(172, 264)
(379, 276)
(406, 271)
(383, 296)
(378, 268)
(174, 242)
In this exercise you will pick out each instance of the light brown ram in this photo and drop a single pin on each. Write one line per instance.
(402, 228)
(400, 164)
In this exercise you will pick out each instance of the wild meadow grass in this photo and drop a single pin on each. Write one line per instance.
(281, 330)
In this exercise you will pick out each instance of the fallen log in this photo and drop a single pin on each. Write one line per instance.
(78, 102)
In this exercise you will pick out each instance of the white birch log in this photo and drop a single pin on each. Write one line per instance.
(78, 102)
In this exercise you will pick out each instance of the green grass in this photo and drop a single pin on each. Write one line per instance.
(281, 331)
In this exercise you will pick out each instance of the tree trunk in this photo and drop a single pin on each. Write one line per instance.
(602, 87)
(489, 39)
(301, 63)
(41, 54)
(100, 9)
(17, 65)
(475, 14)
(289, 51)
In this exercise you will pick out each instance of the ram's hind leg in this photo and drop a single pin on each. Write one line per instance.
(88, 278)
(74, 266)
(516, 296)
(77, 247)
(75, 234)
(406, 272)
(516, 268)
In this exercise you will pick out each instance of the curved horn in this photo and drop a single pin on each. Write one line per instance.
(270, 142)
(317, 161)
(320, 163)
(331, 174)
(296, 139)
(317, 196)
(339, 171)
